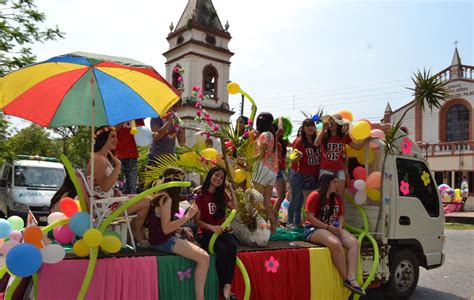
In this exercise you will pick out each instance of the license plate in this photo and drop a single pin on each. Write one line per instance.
(43, 219)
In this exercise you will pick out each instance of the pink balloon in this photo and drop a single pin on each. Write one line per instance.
(360, 173)
(15, 235)
(63, 234)
(374, 180)
(7, 246)
(377, 133)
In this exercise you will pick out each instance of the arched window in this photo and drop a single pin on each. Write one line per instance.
(209, 85)
(175, 78)
(457, 123)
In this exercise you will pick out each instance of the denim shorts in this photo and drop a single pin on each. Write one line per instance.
(308, 231)
(166, 246)
(340, 174)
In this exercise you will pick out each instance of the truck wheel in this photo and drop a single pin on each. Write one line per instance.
(404, 272)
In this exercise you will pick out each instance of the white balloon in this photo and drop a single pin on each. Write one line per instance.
(359, 185)
(143, 137)
(56, 216)
(52, 254)
(360, 197)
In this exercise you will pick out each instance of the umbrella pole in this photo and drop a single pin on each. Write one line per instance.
(91, 202)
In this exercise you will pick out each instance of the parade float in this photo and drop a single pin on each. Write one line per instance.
(392, 206)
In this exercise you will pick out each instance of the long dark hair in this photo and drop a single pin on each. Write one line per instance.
(219, 194)
(67, 187)
(324, 182)
(308, 123)
(264, 122)
(102, 135)
(280, 141)
(171, 174)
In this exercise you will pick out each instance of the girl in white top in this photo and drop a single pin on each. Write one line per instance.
(107, 169)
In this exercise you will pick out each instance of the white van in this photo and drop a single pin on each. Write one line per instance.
(29, 183)
(407, 222)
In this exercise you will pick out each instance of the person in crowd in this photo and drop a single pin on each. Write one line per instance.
(212, 201)
(165, 132)
(67, 189)
(242, 121)
(304, 173)
(265, 171)
(126, 151)
(332, 139)
(107, 168)
(324, 220)
(280, 182)
(464, 191)
(163, 229)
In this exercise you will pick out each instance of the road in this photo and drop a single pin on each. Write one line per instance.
(455, 279)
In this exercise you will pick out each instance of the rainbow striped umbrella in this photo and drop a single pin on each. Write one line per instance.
(86, 89)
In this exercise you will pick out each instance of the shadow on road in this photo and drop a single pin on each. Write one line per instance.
(421, 293)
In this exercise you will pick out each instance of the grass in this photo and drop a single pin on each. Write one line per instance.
(459, 226)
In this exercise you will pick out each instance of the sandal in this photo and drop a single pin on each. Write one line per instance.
(354, 289)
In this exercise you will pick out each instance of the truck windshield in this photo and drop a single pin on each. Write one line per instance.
(38, 177)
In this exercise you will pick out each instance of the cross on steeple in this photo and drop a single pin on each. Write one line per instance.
(456, 43)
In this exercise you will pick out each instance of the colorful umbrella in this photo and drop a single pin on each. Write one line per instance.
(86, 89)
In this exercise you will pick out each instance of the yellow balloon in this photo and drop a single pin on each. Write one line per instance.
(373, 194)
(80, 248)
(111, 244)
(210, 153)
(189, 159)
(361, 156)
(233, 88)
(92, 237)
(361, 130)
(457, 195)
(78, 205)
(240, 176)
(351, 152)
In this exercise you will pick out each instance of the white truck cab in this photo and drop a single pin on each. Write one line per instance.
(407, 221)
(29, 183)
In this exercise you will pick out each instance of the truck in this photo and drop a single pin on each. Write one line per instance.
(27, 184)
(407, 221)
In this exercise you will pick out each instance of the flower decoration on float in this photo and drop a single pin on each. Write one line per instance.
(404, 187)
(426, 178)
(272, 265)
(406, 145)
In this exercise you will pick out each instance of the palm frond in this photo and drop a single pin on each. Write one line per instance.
(429, 91)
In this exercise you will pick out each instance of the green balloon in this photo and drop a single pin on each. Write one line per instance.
(16, 222)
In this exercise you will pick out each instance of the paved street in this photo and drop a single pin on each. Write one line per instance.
(455, 279)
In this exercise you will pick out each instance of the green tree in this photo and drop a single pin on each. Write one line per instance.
(20, 26)
(33, 140)
(4, 151)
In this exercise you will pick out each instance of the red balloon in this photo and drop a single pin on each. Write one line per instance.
(360, 173)
(68, 206)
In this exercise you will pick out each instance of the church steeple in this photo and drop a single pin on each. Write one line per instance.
(199, 45)
(456, 59)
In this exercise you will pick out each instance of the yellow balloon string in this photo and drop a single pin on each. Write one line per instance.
(133, 129)
(10, 290)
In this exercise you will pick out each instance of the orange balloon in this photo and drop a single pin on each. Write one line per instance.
(374, 180)
(68, 206)
(345, 114)
(33, 235)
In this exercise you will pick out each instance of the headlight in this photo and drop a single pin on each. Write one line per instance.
(20, 207)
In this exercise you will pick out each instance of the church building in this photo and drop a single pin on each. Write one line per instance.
(199, 44)
(446, 134)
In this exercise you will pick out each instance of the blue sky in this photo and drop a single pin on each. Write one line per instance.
(289, 55)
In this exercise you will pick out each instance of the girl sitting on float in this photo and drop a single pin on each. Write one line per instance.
(332, 139)
(324, 220)
(212, 201)
(162, 229)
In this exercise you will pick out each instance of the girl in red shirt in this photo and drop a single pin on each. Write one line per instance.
(324, 219)
(212, 202)
(332, 140)
(163, 229)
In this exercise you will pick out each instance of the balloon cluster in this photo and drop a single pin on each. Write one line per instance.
(24, 250)
(367, 154)
(449, 194)
(363, 186)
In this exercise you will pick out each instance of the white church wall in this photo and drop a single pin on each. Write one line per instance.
(409, 121)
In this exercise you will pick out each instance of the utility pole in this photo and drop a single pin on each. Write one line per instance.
(242, 106)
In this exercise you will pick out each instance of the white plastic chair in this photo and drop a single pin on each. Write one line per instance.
(121, 224)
